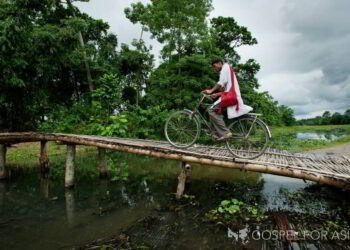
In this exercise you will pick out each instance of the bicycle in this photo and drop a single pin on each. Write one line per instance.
(250, 135)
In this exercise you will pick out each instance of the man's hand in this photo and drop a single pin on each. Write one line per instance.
(212, 90)
(207, 91)
(216, 95)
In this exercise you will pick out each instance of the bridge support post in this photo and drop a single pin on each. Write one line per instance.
(183, 178)
(44, 157)
(69, 167)
(3, 172)
(103, 162)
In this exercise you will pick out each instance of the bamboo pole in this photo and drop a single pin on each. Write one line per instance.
(69, 168)
(44, 157)
(3, 172)
(103, 162)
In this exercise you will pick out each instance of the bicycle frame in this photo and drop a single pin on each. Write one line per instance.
(204, 121)
(195, 112)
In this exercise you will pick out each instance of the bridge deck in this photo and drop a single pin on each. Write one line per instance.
(331, 170)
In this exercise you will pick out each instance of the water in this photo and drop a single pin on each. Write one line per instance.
(321, 135)
(37, 213)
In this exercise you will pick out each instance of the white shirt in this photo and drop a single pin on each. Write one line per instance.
(225, 77)
(225, 81)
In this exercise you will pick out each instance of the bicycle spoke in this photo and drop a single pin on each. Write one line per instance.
(249, 138)
(181, 129)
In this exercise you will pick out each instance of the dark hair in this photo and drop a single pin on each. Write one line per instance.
(216, 60)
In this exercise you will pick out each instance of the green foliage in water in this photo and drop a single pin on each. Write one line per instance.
(235, 211)
(318, 208)
(118, 170)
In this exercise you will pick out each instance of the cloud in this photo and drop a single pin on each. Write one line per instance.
(303, 51)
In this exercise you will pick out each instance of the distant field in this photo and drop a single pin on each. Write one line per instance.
(286, 137)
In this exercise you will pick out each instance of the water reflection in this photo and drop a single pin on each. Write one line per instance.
(70, 206)
(272, 187)
(2, 193)
(327, 136)
(44, 186)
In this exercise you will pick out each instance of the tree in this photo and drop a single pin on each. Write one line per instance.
(135, 64)
(287, 115)
(227, 35)
(41, 60)
(177, 84)
(326, 114)
(179, 25)
(187, 50)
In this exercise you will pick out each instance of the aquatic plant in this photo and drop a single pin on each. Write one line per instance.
(235, 211)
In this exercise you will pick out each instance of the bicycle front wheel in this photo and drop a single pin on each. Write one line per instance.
(250, 138)
(182, 129)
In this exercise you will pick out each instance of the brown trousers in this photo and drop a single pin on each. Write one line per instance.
(217, 122)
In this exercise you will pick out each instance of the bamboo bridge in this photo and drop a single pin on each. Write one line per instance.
(330, 170)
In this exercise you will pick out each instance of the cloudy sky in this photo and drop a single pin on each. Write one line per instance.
(303, 46)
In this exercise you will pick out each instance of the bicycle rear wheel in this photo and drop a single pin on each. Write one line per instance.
(250, 138)
(182, 129)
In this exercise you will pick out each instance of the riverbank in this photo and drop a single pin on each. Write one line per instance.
(340, 150)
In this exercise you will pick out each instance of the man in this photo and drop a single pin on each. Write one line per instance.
(227, 80)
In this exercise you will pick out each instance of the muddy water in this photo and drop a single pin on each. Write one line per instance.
(37, 213)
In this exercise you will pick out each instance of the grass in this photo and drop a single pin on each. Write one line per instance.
(27, 154)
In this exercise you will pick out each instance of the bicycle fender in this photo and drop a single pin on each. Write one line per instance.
(267, 127)
(188, 111)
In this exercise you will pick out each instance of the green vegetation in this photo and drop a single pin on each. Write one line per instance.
(327, 118)
(316, 210)
(45, 82)
(235, 211)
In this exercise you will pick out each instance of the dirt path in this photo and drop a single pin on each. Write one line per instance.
(339, 150)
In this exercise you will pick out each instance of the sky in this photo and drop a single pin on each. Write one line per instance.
(303, 46)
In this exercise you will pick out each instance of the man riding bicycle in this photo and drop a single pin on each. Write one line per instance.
(229, 101)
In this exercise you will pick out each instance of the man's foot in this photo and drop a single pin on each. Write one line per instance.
(214, 136)
(225, 137)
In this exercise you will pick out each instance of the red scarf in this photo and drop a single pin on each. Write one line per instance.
(228, 98)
